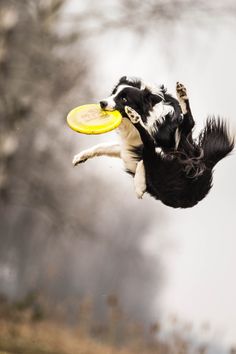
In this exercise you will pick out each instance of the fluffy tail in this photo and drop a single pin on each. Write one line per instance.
(215, 141)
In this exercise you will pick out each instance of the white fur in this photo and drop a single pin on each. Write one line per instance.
(103, 149)
(182, 104)
(160, 110)
(140, 180)
(177, 138)
(110, 103)
(159, 151)
(154, 89)
(111, 99)
(130, 138)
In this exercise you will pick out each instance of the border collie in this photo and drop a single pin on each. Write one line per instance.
(157, 146)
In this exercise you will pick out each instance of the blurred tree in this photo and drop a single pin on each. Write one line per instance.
(34, 77)
(47, 236)
(142, 17)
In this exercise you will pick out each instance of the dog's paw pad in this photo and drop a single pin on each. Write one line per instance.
(181, 91)
(80, 158)
(132, 114)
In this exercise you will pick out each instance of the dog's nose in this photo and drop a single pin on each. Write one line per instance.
(103, 104)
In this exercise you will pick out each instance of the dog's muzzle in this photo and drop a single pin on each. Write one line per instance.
(108, 104)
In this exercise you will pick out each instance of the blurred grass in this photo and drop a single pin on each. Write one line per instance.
(33, 326)
(47, 338)
(27, 327)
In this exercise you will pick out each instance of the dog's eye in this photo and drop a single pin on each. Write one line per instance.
(124, 99)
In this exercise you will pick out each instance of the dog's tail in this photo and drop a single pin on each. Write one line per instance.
(215, 141)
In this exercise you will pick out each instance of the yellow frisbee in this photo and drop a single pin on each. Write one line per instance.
(91, 119)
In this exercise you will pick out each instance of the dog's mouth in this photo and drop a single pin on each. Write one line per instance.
(110, 105)
(108, 109)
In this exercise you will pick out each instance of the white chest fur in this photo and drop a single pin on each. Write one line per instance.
(129, 138)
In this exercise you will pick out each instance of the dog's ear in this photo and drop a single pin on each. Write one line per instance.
(150, 97)
(131, 81)
(123, 80)
(215, 141)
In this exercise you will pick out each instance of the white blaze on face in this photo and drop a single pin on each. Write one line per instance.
(111, 99)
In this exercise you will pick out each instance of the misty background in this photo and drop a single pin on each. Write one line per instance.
(80, 232)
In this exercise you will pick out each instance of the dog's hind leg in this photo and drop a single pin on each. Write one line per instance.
(140, 180)
(104, 149)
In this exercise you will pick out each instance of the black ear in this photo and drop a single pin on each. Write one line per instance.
(151, 98)
(131, 81)
(123, 80)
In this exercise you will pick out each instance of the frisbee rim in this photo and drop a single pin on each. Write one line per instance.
(94, 129)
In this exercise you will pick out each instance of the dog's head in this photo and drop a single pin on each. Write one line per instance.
(134, 93)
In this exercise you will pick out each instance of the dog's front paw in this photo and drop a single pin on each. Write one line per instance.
(132, 115)
(181, 91)
(79, 158)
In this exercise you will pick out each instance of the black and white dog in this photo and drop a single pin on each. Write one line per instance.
(157, 146)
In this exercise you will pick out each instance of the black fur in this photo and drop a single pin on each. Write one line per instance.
(180, 176)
